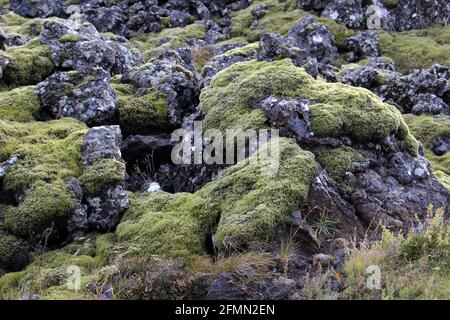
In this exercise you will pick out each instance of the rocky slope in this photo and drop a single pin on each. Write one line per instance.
(91, 91)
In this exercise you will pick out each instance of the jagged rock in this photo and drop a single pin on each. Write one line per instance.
(421, 88)
(101, 143)
(171, 74)
(107, 204)
(315, 38)
(86, 97)
(222, 61)
(38, 8)
(81, 47)
(322, 259)
(440, 146)
(377, 72)
(280, 289)
(363, 45)
(78, 224)
(347, 12)
(227, 288)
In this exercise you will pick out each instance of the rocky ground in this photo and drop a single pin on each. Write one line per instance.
(91, 90)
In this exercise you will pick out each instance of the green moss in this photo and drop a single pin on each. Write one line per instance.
(281, 16)
(391, 3)
(47, 277)
(161, 223)
(252, 202)
(426, 129)
(246, 204)
(29, 64)
(141, 114)
(71, 37)
(13, 252)
(15, 24)
(171, 37)
(43, 204)
(337, 162)
(246, 51)
(20, 105)
(101, 174)
(340, 110)
(47, 151)
(418, 48)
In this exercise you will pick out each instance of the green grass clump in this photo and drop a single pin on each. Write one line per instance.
(101, 175)
(337, 162)
(340, 110)
(412, 267)
(141, 114)
(47, 151)
(43, 204)
(417, 48)
(20, 104)
(426, 129)
(29, 64)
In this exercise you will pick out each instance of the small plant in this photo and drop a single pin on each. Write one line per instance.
(146, 169)
(324, 226)
(287, 249)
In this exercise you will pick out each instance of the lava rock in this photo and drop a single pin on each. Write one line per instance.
(85, 97)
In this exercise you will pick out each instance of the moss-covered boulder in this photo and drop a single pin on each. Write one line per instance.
(427, 129)
(28, 64)
(338, 110)
(13, 252)
(20, 104)
(143, 114)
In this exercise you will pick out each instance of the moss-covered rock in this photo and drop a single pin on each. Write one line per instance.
(252, 202)
(426, 129)
(13, 252)
(168, 38)
(141, 114)
(337, 162)
(102, 174)
(28, 64)
(339, 110)
(20, 104)
(47, 151)
(280, 17)
(16, 24)
(417, 48)
(44, 205)
(245, 205)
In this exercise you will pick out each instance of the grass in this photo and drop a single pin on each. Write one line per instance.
(412, 266)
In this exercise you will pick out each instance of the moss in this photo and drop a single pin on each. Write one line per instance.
(245, 205)
(29, 64)
(141, 114)
(20, 105)
(43, 205)
(161, 223)
(391, 3)
(16, 24)
(101, 174)
(418, 48)
(13, 252)
(280, 17)
(71, 37)
(253, 203)
(337, 162)
(426, 129)
(246, 51)
(47, 151)
(171, 37)
(340, 110)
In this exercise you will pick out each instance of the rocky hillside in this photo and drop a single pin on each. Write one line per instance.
(92, 90)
